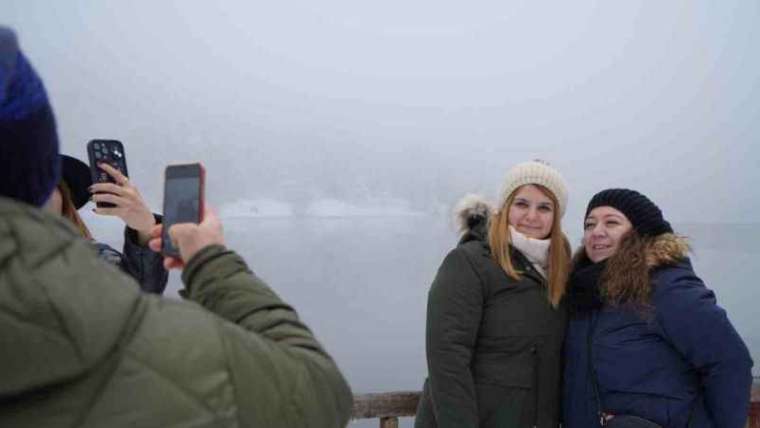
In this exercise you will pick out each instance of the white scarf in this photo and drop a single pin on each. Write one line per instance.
(535, 250)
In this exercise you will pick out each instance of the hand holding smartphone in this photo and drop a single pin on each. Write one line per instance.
(183, 200)
(189, 238)
(110, 152)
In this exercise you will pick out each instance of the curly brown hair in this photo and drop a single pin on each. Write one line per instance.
(625, 278)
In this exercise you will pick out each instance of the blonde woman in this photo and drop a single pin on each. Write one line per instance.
(496, 319)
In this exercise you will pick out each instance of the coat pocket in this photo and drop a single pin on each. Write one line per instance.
(506, 388)
(503, 407)
(506, 370)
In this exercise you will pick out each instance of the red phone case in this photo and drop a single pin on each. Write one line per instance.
(202, 199)
(169, 249)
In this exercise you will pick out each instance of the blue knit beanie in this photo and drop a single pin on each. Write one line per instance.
(30, 166)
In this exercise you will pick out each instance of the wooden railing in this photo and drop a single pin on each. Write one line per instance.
(389, 406)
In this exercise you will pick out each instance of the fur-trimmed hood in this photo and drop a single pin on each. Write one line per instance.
(471, 215)
(662, 250)
(626, 276)
(666, 249)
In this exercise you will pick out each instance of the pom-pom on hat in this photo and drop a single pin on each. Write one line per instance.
(535, 172)
(644, 215)
(29, 163)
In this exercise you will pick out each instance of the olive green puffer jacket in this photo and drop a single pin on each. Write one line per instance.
(493, 344)
(80, 346)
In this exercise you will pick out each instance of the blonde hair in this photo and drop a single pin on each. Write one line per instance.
(500, 242)
(69, 210)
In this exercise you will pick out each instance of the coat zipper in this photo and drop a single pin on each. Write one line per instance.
(534, 351)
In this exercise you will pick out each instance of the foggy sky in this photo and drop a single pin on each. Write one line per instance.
(420, 100)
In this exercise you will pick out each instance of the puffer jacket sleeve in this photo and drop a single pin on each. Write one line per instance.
(701, 331)
(143, 264)
(281, 374)
(454, 311)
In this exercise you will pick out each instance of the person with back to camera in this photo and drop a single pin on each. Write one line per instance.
(496, 318)
(73, 191)
(647, 345)
(83, 347)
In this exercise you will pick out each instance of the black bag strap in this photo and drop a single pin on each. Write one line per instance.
(534, 354)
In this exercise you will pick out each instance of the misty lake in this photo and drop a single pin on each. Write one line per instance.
(361, 281)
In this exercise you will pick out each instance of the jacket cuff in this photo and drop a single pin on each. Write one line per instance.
(130, 235)
(200, 260)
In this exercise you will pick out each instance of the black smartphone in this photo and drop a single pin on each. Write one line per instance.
(110, 152)
(183, 200)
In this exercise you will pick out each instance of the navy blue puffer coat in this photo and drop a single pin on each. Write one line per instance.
(684, 360)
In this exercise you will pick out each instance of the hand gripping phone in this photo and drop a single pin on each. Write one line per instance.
(183, 200)
(110, 152)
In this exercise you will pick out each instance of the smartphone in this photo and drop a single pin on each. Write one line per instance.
(183, 200)
(110, 152)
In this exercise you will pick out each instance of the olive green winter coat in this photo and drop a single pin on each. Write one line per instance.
(80, 346)
(493, 344)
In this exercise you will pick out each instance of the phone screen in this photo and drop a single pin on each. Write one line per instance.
(182, 200)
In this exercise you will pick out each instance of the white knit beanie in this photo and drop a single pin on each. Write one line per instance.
(535, 172)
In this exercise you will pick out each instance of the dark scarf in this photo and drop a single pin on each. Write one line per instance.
(584, 292)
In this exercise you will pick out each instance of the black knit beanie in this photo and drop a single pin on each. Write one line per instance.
(77, 176)
(30, 166)
(643, 214)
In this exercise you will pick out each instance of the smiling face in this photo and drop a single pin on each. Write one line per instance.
(532, 212)
(604, 229)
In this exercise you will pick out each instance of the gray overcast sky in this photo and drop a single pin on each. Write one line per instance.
(418, 100)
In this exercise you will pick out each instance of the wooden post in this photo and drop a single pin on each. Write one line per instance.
(754, 415)
(389, 422)
(754, 406)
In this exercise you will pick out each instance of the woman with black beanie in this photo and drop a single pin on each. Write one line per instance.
(647, 345)
(75, 189)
